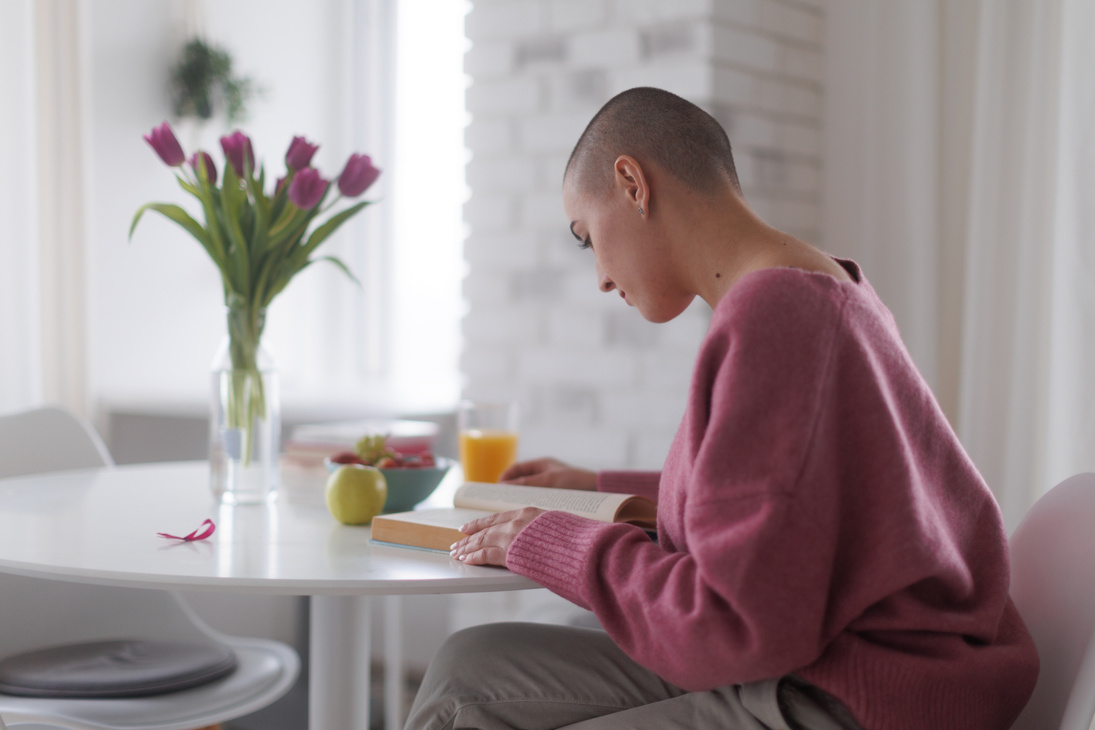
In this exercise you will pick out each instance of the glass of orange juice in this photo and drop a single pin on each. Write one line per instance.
(488, 439)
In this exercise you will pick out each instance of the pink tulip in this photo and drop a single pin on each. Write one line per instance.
(307, 188)
(237, 149)
(300, 153)
(210, 168)
(166, 145)
(357, 176)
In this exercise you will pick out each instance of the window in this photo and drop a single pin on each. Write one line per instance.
(405, 106)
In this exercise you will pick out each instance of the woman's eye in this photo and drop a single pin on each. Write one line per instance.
(585, 244)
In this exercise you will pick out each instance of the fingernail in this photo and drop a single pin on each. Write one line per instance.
(453, 546)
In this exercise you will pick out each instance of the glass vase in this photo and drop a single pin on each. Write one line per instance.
(245, 417)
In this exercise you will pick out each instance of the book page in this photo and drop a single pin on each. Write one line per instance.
(603, 506)
(439, 516)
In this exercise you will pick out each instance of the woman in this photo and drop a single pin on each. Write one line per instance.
(827, 554)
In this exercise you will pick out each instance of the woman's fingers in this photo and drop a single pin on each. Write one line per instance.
(548, 472)
(490, 555)
(483, 523)
(489, 537)
(528, 468)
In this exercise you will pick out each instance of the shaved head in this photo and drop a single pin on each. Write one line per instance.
(653, 125)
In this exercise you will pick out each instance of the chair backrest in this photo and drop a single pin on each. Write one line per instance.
(1053, 586)
(35, 613)
(48, 439)
(31, 610)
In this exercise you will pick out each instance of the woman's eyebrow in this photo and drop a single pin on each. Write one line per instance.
(575, 234)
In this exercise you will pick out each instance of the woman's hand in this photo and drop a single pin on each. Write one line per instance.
(550, 473)
(489, 537)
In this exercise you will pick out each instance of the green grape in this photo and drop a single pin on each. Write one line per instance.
(372, 449)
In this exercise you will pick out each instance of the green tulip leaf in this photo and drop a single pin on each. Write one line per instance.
(188, 187)
(182, 218)
(320, 234)
(341, 266)
(212, 222)
(284, 224)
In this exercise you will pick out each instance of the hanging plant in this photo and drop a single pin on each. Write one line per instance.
(202, 83)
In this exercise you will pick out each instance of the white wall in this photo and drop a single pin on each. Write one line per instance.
(20, 384)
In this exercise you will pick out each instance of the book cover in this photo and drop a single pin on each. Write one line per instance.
(437, 529)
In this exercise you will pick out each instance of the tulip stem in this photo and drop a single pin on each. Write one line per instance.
(246, 394)
(331, 204)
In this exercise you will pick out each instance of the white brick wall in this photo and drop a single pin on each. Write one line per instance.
(598, 385)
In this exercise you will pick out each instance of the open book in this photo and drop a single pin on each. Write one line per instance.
(437, 529)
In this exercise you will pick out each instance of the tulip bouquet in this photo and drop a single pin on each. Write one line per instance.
(258, 240)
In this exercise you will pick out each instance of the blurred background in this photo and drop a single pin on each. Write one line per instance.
(946, 145)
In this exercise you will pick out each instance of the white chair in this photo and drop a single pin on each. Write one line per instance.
(27, 726)
(1053, 586)
(35, 613)
(48, 439)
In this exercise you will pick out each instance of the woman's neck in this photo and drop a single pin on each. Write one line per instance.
(727, 241)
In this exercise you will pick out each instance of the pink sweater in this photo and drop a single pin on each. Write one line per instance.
(816, 515)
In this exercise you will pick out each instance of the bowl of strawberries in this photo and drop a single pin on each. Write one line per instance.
(411, 478)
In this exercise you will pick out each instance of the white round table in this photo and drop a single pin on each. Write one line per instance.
(100, 526)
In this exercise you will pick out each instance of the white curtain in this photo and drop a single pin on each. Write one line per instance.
(1070, 432)
(20, 385)
(61, 66)
(960, 169)
(42, 217)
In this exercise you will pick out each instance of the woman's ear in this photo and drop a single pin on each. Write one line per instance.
(630, 180)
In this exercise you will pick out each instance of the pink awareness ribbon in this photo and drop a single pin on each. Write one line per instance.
(193, 536)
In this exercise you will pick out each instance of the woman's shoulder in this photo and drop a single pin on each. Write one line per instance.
(791, 314)
(770, 296)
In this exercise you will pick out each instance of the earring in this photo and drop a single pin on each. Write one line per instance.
(641, 211)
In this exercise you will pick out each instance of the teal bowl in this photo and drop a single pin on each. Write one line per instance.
(409, 486)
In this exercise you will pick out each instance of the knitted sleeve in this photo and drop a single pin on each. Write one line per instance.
(644, 483)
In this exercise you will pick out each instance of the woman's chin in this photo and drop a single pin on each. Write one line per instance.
(663, 312)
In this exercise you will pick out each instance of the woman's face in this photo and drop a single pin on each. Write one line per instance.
(630, 255)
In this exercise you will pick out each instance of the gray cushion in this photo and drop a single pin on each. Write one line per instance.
(104, 669)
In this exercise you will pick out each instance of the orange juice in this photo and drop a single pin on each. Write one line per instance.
(485, 453)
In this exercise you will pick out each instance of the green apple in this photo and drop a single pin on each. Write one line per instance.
(356, 493)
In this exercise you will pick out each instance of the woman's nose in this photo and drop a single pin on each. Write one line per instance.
(606, 285)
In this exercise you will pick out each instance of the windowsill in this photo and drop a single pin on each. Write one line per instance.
(379, 400)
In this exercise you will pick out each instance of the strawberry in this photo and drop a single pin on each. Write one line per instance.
(347, 457)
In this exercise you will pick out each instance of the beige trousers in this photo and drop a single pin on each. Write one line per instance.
(544, 677)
